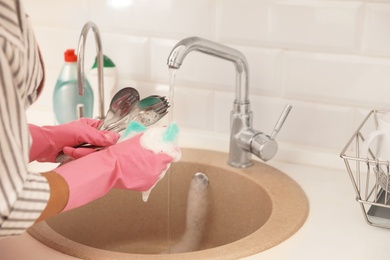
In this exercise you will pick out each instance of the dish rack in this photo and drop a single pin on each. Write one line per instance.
(369, 176)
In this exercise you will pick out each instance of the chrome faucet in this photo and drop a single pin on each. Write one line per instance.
(244, 140)
(80, 64)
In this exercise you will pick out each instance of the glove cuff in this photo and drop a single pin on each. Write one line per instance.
(87, 179)
(39, 144)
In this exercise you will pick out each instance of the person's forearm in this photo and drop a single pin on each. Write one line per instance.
(59, 195)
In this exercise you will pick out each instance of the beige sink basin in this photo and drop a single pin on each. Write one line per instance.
(247, 211)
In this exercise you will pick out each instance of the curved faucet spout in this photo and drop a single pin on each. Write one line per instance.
(185, 46)
(241, 116)
(244, 140)
(99, 56)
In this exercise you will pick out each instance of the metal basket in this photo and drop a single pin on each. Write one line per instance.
(369, 176)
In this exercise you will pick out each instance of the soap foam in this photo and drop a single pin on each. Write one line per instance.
(154, 139)
(148, 117)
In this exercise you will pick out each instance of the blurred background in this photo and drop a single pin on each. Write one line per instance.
(329, 59)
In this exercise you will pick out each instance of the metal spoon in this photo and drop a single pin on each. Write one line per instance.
(142, 104)
(122, 102)
(146, 115)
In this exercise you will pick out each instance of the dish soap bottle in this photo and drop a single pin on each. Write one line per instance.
(68, 104)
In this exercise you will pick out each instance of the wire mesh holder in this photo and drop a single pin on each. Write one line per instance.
(369, 175)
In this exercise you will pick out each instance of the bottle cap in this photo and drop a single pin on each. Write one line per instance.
(107, 63)
(70, 56)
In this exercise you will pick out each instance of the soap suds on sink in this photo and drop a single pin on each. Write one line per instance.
(197, 207)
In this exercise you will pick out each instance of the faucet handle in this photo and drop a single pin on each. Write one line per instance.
(281, 120)
(260, 144)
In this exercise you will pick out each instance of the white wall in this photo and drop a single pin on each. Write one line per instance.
(329, 59)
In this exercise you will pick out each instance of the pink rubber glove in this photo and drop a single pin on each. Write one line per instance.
(48, 141)
(136, 164)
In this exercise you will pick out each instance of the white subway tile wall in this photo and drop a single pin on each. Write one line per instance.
(329, 59)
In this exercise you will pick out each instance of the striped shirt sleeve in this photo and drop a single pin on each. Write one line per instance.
(23, 195)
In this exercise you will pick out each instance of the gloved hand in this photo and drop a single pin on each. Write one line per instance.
(137, 163)
(48, 141)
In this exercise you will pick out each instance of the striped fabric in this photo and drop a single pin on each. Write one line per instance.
(23, 195)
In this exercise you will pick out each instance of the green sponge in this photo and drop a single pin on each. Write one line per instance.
(171, 133)
(133, 126)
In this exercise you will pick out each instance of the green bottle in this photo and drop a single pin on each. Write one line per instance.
(66, 99)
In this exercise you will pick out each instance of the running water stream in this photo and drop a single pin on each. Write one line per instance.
(171, 95)
(171, 98)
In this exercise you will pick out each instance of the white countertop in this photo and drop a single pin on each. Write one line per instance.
(334, 229)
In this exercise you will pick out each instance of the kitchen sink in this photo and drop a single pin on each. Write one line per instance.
(243, 211)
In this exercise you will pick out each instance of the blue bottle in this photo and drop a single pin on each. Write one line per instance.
(66, 99)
